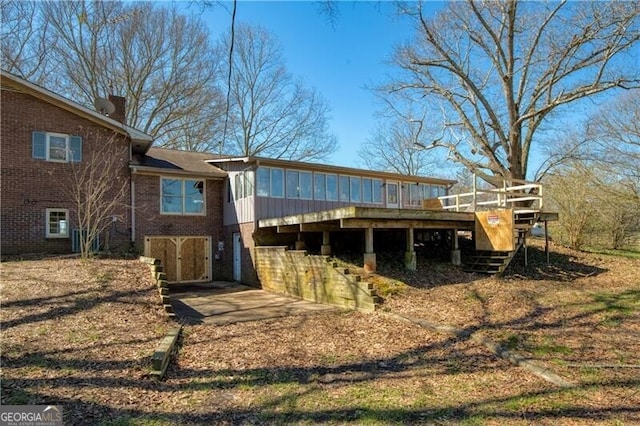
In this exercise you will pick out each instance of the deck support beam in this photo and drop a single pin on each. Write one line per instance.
(410, 260)
(456, 258)
(325, 250)
(369, 255)
(546, 241)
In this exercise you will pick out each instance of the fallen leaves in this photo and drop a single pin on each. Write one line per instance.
(81, 335)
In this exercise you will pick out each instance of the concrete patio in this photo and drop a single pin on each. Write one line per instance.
(228, 302)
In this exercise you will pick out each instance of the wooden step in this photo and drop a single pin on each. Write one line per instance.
(483, 270)
(489, 256)
(483, 264)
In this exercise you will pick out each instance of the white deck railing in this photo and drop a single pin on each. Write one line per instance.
(511, 193)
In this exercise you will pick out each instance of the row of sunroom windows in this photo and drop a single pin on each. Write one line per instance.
(304, 185)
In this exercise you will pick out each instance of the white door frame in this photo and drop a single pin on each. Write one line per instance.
(237, 257)
(398, 191)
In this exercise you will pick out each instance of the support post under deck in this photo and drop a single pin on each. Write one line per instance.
(369, 255)
(410, 261)
(546, 241)
(325, 250)
(456, 258)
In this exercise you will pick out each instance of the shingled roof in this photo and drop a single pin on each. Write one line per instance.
(175, 161)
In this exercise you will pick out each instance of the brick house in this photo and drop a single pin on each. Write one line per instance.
(177, 213)
(172, 198)
(201, 214)
(43, 136)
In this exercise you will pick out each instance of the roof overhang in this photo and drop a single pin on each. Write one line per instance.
(331, 169)
(157, 171)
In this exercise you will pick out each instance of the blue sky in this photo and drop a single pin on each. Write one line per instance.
(339, 61)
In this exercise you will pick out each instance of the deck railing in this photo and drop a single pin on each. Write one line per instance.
(513, 194)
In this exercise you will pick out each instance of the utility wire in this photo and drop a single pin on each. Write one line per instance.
(226, 115)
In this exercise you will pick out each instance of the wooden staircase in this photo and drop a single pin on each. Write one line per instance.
(495, 252)
(496, 262)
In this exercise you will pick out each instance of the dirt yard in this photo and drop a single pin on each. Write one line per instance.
(81, 334)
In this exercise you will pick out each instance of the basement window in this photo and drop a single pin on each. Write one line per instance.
(57, 223)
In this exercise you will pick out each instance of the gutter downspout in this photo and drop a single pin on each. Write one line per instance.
(133, 206)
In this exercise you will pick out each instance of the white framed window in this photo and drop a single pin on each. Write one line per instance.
(426, 191)
(355, 186)
(57, 223)
(270, 182)
(332, 187)
(299, 184)
(377, 191)
(319, 186)
(415, 194)
(277, 183)
(238, 189)
(293, 184)
(56, 147)
(367, 195)
(263, 180)
(248, 183)
(182, 196)
(306, 186)
(344, 188)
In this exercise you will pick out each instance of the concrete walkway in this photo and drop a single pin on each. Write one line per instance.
(226, 302)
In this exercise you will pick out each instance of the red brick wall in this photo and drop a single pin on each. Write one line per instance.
(150, 222)
(29, 186)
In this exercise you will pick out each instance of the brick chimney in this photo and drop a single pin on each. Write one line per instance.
(120, 113)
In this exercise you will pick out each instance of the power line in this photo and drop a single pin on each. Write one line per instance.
(226, 116)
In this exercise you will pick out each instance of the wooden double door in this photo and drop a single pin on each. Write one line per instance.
(185, 259)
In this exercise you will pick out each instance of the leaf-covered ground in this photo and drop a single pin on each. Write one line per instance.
(81, 334)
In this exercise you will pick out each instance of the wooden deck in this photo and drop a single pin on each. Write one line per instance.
(378, 218)
(371, 217)
(510, 212)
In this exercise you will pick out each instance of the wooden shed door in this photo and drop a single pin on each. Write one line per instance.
(185, 259)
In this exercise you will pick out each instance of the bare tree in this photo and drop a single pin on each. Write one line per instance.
(23, 46)
(397, 146)
(596, 206)
(161, 61)
(615, 134)
(599, 162)
(98, 188)
(572, 197)
(271, 113)
(498, 71)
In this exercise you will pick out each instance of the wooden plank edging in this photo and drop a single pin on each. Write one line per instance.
(163, 353)
(149, 260)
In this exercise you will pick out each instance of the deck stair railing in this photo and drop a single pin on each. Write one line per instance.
(496, 262)
(513, 194)
(525, 198)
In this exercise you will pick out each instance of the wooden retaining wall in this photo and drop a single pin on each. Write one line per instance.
(313, 278)
(160, 278)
